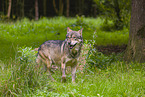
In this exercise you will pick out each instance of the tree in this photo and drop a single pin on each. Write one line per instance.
(36, 10)
(44, 7)
(22, 8)
(60, 10)
(136, 46)
(67, 8)
(116, 10)
(9, 9)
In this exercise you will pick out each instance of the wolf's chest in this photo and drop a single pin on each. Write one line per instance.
(70, 62)
(67, 61)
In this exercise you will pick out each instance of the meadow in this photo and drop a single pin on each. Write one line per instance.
(101, 75)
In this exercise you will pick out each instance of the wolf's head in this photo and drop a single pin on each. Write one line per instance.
(74, 38)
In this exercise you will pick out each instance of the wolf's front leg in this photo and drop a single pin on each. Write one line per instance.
(73, 71)
(63, 67)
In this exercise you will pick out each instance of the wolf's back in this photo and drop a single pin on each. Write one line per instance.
(50, 49)
(51, 44)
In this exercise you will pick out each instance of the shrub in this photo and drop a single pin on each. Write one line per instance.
(98, 59)
(26, 54)
(81, 23)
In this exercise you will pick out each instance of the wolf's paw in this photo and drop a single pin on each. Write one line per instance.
(63, 78)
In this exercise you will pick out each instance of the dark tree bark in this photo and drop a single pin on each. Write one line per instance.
(60, 10)
(9, 9)
(54, 5)
(136, 45)
(36, 10)
(3, 7)
(6, 6)
(80, 7)
(17, 8)
(44, 7)
(67, 8)
(22, 10)
(95, 8)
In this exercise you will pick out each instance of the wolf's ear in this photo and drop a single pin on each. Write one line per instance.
(80, 31)
(68, 30)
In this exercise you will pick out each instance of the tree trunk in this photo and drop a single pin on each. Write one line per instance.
(95, 12)
(60, 7)
(44, 7)
(67, 8)
(60, 11)
(22, 10)
(36, 10)
(136, 45)
(9, 9)
(3, 7)
(6, 6)
(54, 5)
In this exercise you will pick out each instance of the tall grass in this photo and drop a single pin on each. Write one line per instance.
(121, 79)
(22, 77)
(113, 82)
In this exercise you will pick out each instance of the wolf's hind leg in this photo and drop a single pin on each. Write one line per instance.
(38, 61)
(47, 61)
(48, 65)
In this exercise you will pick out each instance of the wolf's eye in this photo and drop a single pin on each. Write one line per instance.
(73, 37)
(80, 37)
(68, 37)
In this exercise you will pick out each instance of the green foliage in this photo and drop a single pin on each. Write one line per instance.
(27, 54)
(107, 26)
(98, 59)
(81, 23)
(111, 38)
(2, 16)
(116, 10)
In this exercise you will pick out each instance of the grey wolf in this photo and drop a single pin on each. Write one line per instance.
(61, 53)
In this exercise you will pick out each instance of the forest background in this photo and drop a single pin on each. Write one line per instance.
(102, 71)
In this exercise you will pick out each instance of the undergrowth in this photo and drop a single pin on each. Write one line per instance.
(22, 77)
(97, 59)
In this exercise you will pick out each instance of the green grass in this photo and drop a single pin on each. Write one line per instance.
(22, 77)
(112, 83)
(34, 33)
(118, 80)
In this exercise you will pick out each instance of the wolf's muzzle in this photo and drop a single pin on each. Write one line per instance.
(72, 46)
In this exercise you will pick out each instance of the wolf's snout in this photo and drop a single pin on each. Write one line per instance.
(69, 43)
